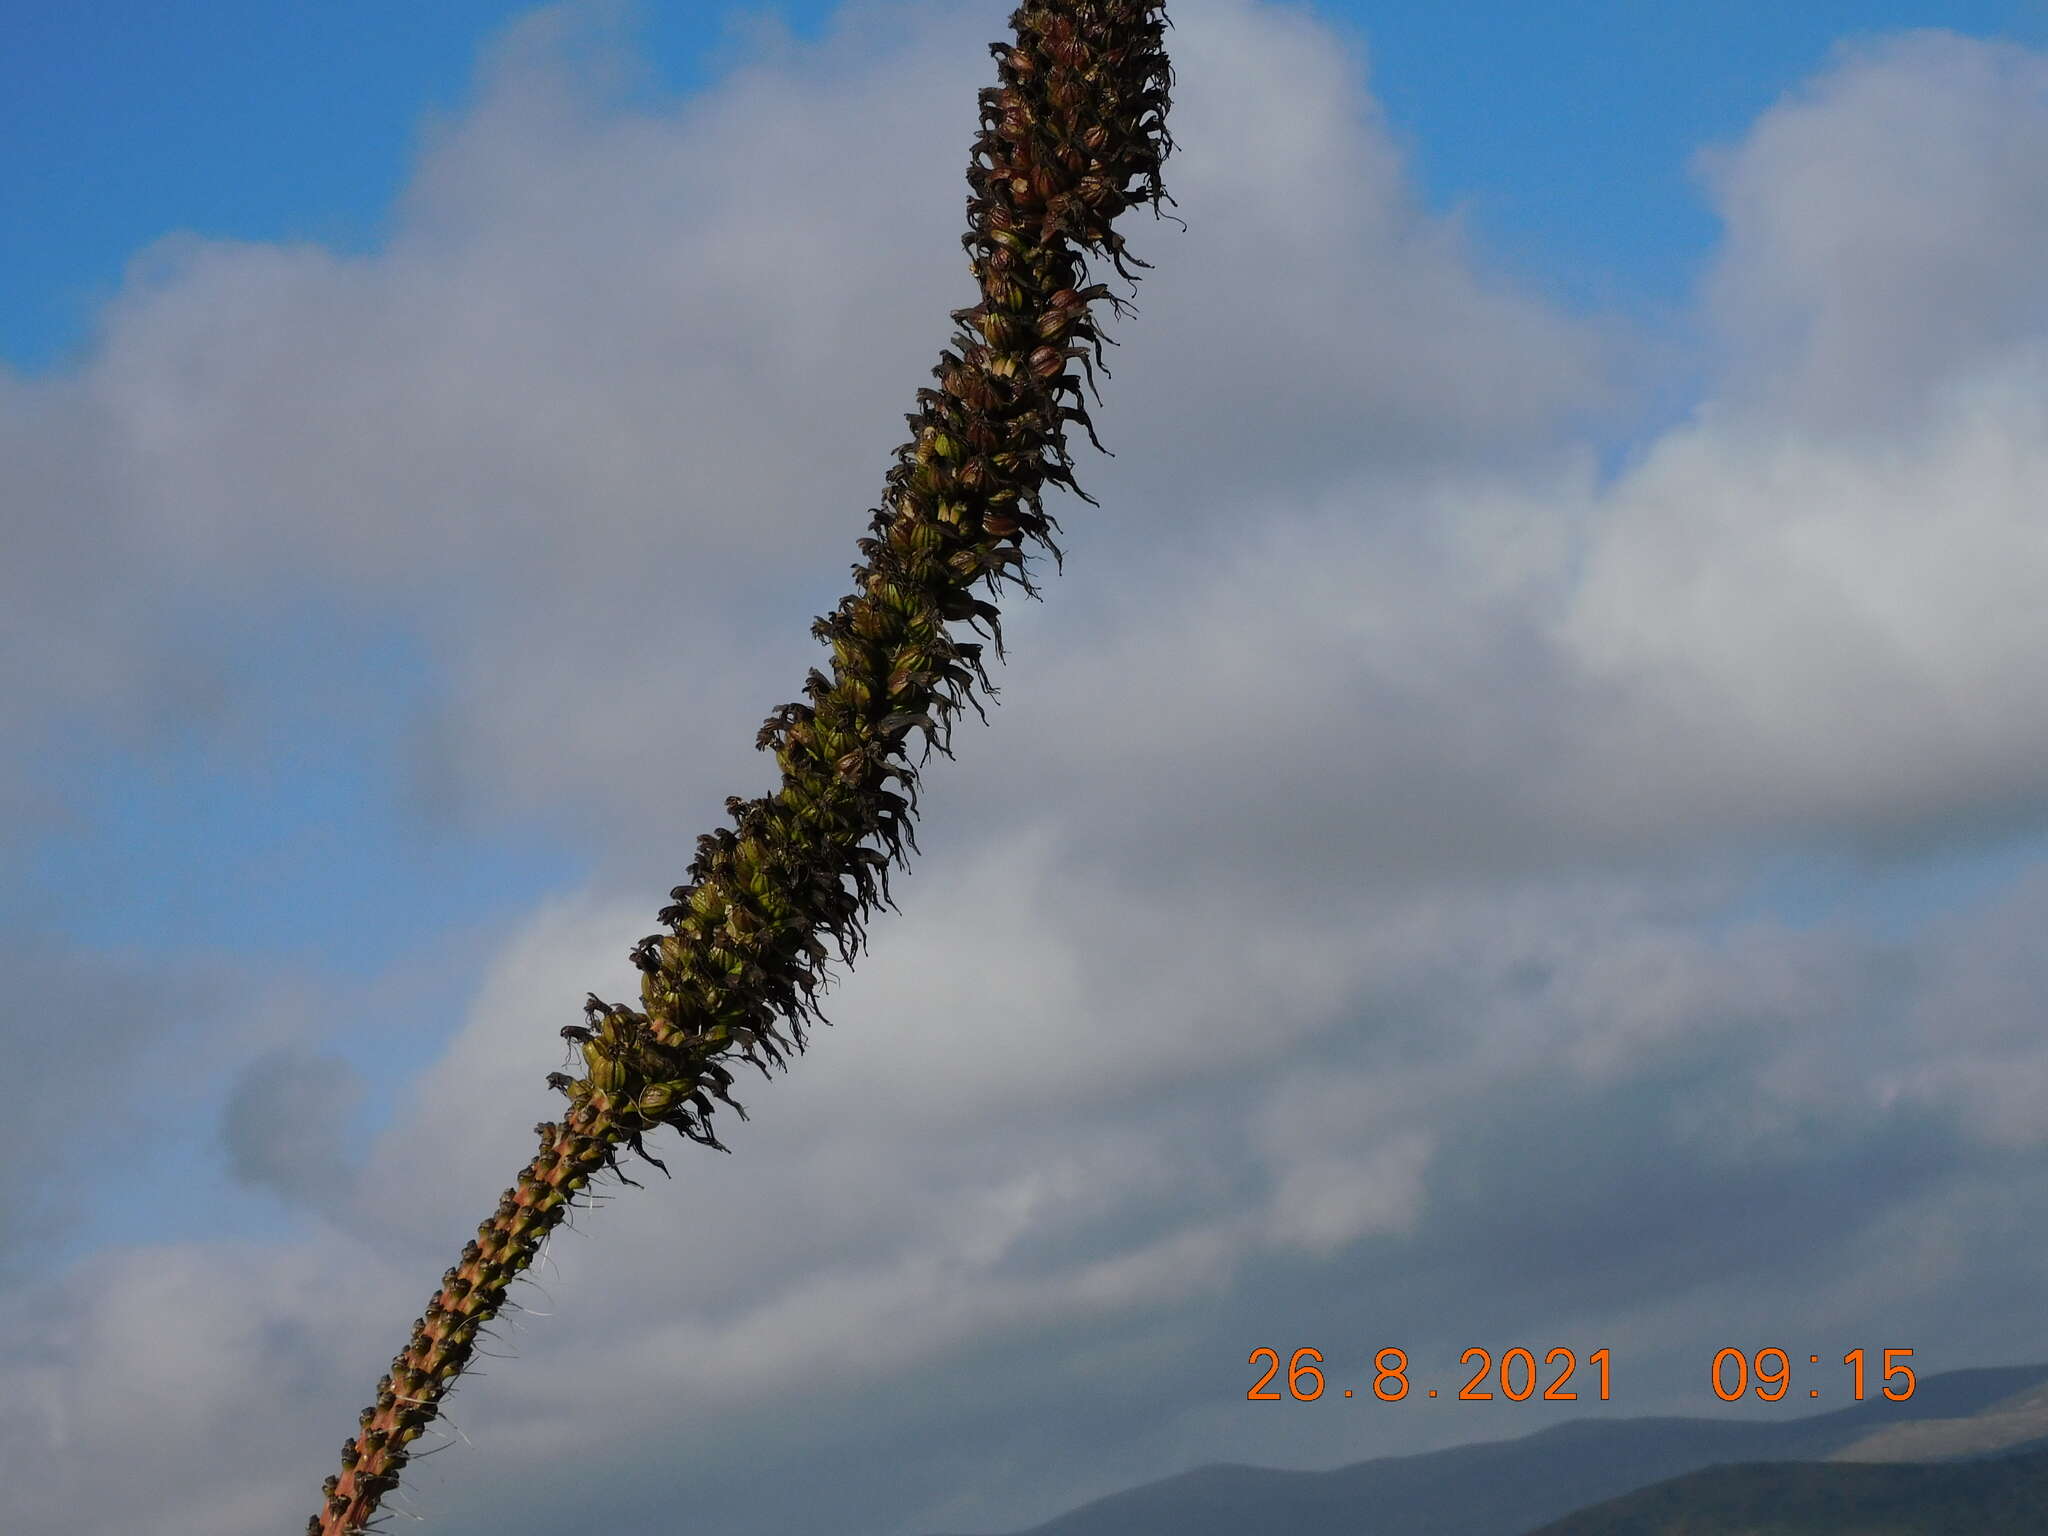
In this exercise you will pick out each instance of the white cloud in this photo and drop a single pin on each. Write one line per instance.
(1833, 633)
(1883, 230)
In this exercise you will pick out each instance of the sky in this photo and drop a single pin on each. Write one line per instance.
(1521, 823)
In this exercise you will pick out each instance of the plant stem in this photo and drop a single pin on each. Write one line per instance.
(1078, 116)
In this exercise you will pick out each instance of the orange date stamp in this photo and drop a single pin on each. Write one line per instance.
(1517, 1376)
(1764, 1373)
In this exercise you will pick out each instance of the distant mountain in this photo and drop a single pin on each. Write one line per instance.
(2004, 1497)
(1511, 1487)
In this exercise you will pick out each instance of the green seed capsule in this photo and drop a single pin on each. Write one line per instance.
(657, 1097)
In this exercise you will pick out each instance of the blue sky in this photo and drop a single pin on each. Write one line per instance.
(1566, 127)
(1624, 467)
(1564, 133)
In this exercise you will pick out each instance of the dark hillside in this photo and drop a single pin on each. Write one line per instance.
(2007, 1496)
(1511, 1487)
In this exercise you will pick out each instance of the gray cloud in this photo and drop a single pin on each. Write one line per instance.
(1658, 1137)
(285, 1126)
(99, 1045)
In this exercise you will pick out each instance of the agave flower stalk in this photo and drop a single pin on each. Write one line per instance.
(1073, 135)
